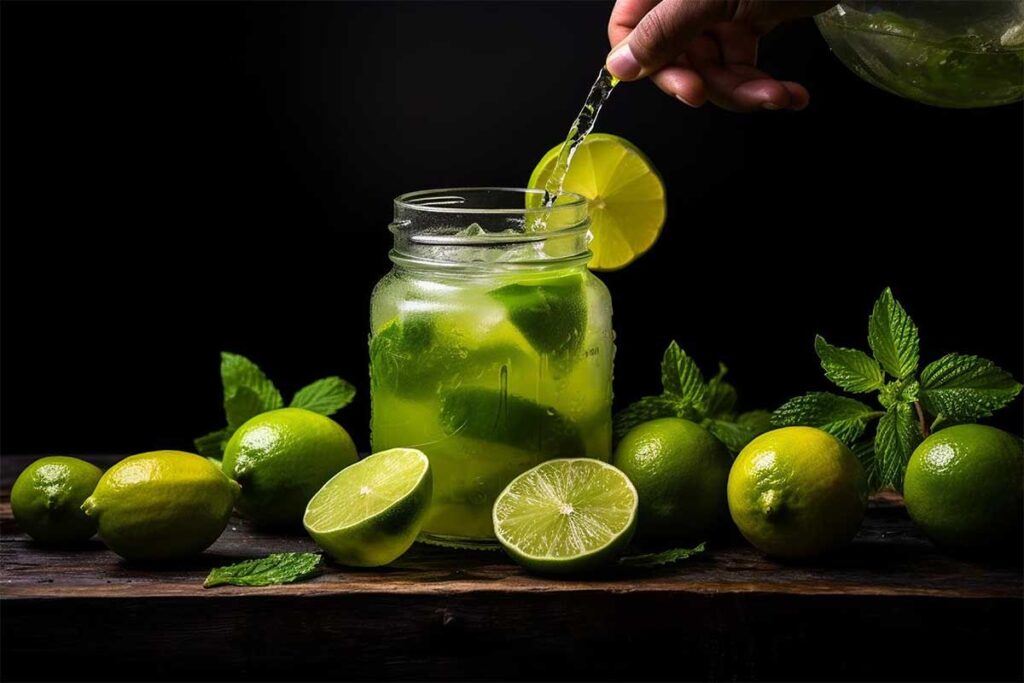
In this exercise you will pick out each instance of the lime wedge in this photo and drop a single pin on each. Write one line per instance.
(550, 312)
(566, 516)
(368, 514)
(627, 208)
(490, 415)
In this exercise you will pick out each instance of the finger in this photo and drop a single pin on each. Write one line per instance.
(625, 16)
(743, 88)
(736, 42)
(683, 83)
(659, 35)
(799, 98)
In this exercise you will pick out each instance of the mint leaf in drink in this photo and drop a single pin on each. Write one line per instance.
(681, 377)
(267, 571)
(893, 337)
(664, 557)
(898, 434)
(242, 405)
(844, 418)
(849, 369)
(237, 371)
(965, 387)
(720, 396)
(550, 312)
(325, 396)
(651, 408)
(212, 445)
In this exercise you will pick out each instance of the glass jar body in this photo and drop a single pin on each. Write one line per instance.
(489, 372)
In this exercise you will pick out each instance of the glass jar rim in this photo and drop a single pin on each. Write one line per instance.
(448, 201)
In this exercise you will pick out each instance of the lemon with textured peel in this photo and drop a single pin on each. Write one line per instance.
(369, 514)
(162, 505)
(627, 196)
(567, 515)
(47, 497)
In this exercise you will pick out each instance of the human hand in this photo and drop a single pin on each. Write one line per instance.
(696, 50)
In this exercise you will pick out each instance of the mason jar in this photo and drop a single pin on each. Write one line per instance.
(491, 346)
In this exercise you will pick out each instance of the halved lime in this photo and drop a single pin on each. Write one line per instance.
(627, 197)
(566, 516)
(368, 514)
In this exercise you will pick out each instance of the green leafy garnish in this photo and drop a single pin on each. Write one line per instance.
(664, 557)
(954, 388)
(685, 394)
(249, 392)
(551, 313)
(274, 569)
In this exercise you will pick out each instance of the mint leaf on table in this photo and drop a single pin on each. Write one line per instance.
(212, 445)
(681, 377)
(849, 369)
(325, 396)
(965, 387)
(686, 395)
(897, 436)
(893, 337)
(646, 409)
(955, 388)
(274, 569)
(243, 404)
(842, 417)
(664, 557)
(238, 371)
(720, 397)
(248, 392)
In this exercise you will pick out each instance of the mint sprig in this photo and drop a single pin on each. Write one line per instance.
(274, 569)
(248, 392)
(664, 557)
(955, 388)
(686, 394)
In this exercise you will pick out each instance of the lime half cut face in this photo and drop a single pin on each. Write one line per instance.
(569, 515)
(369, 514)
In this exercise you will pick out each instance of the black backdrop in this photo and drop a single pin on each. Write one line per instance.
(183, 178)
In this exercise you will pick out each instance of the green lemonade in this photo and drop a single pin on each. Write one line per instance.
(489, 371)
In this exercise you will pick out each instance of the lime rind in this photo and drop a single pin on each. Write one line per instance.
(566, 515)
(371, 512)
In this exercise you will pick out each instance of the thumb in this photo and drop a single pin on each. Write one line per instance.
(658, 36)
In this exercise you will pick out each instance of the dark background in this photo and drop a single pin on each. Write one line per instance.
(184, 178)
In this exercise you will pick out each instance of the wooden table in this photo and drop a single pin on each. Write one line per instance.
(890, 607)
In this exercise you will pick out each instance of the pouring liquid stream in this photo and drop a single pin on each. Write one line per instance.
(579, 131)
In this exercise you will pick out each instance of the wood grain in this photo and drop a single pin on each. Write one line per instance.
(438, 613)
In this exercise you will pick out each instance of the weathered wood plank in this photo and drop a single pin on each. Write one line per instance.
(890, 603)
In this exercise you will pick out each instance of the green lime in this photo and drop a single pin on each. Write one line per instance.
(627, 197)
(281, 458)
(964, 487)
(680, 472)
(161, 505)
(567, 515)
(368, 514)
(47, 498)
(797, 492)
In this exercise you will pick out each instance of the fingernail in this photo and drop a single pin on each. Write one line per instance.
(770, 106)
(686, 101)
(622, 64)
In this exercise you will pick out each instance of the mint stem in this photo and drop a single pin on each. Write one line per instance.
(921, 420)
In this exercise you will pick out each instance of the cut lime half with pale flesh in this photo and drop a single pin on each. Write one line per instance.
(627, 196)
(369, 514)
(568, 515)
